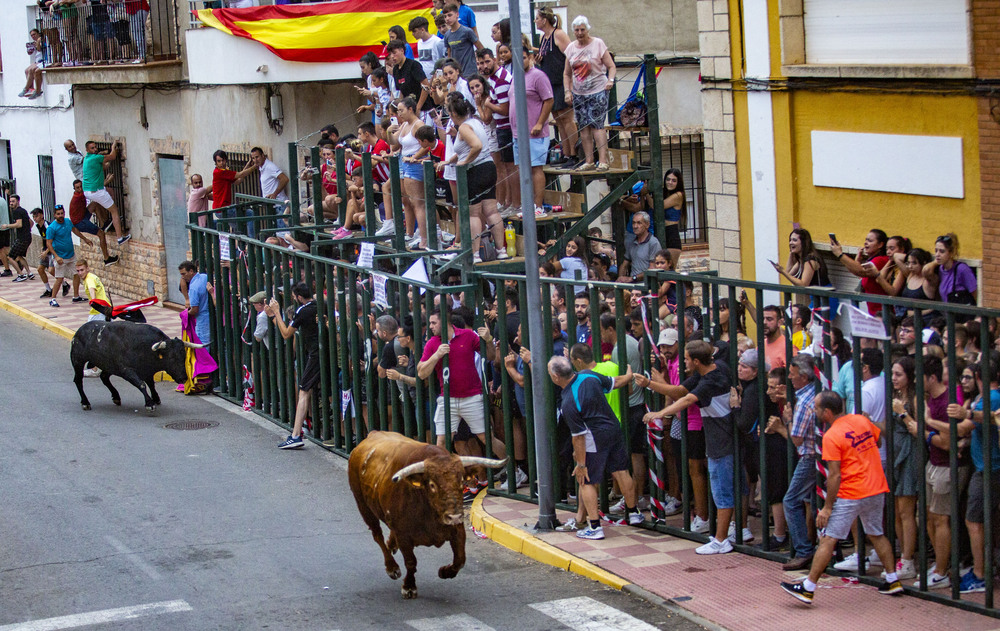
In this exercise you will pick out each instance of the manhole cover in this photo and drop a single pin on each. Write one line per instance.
(190, 425)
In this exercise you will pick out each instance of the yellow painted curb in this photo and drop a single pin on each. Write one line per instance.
(534, 548)
(58, 329)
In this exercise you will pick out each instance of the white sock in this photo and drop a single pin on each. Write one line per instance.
(48, 287)
(890, 577)
(809, 585)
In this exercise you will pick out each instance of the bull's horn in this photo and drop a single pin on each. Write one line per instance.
(473, 461)
(159, 346)
(190, 344)
(405, 472)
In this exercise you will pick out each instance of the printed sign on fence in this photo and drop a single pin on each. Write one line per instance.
(367, 255)
(345, 401)
(224, 247)
(378, 285)
(418, 273)
(864, 325)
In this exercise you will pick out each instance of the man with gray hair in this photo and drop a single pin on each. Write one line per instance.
(386, 329)
(640, 252)
(598, 444)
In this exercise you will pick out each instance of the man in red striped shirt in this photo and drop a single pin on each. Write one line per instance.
(498, 105)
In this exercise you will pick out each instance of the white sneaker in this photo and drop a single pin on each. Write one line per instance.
(502, 254)
(388, 229)
(414, 241)
(849, 564)
(699, 525)
(643, 503)
(520, 479)
(569, 525)
(92, 372)
(505, 211)
(934, 581)
(635, 519)
(714, 546)
(673, 506)
(747, 536)
(873, 560)
(904, 570)
(617, 507)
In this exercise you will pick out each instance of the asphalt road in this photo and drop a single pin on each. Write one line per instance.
(110, 520)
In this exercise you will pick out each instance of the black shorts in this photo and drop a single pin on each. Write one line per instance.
(558, 98)
(19, 248)
(696, 445)
(637, 429)
(482, 182)
(673, 237)
(310, 372)
(975, 510)
(505, 139)
(609, 457)
(4, 239)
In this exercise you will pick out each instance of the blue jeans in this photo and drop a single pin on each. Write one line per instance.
(203, 329)
(799, 491)
(251, 230)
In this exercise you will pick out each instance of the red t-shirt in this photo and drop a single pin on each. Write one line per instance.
(329, 177)
(871, 286)
(852, 440)
(77, 208)
(438, 150)
(222, 187)
(463, 375)
(380, 171)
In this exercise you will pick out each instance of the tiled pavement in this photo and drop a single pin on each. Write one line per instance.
(735, 591)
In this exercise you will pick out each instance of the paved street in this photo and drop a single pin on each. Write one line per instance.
(110, 520)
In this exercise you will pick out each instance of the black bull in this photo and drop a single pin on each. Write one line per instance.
(135, 352)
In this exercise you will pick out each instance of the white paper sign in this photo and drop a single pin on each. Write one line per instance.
(345, 400)
(418, 273)
(224, 247)
(865, 325)
(367, 255)
(378, 286)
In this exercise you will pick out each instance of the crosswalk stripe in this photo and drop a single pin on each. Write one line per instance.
(458, 622)
(587, 614)
(99, 617)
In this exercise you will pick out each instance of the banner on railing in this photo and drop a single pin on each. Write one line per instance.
(324, 32)
(864, 325)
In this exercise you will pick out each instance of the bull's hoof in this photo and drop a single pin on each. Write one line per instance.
(409, 592)
(117, 402)
(86, 407)
(447, 571)
(393, 572)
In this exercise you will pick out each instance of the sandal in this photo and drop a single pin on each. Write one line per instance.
(586, 166)
(602, 166)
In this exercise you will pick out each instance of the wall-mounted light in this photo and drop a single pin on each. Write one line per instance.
(275, 111)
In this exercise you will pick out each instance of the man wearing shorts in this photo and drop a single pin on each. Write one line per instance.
(93, 186)
(465, 389)
(59, 243)
(598, 444)
(84, 221)
(855, 489)
(538, 96)
(4, 238)
(46, 263)
(305, 321)
(20, 236)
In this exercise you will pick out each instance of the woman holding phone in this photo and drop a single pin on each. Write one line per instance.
(867, 264)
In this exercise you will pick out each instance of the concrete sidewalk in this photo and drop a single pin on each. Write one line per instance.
(733, 591)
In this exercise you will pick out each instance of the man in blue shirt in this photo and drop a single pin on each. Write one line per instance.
(198, 297)
(59, 243)
(973, 422)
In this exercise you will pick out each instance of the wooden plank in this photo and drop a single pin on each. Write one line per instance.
(571, 202)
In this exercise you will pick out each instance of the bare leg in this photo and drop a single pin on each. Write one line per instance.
(780, 526)
(587, 136)
(699, 485)
(387, 200)
(538, 183)
(76, 286)
(301, 409)
(567, 131)
(907, 518)
(103, 239)
(624, 480)
(601, 138)
(476, 225)
(116, 220)
(513, 184)
(492, 218)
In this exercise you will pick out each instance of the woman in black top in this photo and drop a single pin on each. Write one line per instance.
(551, 60)
(910, 281)
(805, 267)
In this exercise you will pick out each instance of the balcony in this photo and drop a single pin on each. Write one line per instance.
(119, 42)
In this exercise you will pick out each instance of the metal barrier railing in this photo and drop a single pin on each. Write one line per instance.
(353, 399)
(116, 32)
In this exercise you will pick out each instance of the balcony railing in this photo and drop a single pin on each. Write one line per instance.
(111, 32)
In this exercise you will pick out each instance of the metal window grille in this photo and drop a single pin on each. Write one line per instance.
(250, 185)
(6, 164)
(687, 153)
(115, 183)
(46, 186)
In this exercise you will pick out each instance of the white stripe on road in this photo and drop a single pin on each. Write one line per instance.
(587, 614)
(458, 622)
(100, 617)
(147, 569)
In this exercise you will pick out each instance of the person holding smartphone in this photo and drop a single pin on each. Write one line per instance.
(866, 265)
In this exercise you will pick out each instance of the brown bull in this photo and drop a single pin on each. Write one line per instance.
(416, 489)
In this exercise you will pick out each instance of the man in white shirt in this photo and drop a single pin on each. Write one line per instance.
(873, 391)
(430, 48)
(272, 179)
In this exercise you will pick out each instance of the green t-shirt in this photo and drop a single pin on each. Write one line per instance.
(610, 369)
(93, 172)
(4, 212)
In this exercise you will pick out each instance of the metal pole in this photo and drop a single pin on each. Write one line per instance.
(539, 373)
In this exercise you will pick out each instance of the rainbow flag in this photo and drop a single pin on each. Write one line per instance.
(324, 32)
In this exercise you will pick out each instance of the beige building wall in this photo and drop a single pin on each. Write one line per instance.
(664, 27)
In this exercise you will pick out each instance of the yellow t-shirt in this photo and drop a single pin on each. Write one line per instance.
(95, 290)
(801, 339)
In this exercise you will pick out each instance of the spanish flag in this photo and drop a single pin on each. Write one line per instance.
(325, 32)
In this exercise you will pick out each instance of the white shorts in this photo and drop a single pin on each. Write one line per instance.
(468, 408)
(102, 197)
(492, 146)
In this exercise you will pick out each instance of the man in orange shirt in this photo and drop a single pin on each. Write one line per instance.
(774, 339)
(855, 486)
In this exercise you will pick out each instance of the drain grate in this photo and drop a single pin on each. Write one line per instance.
(191, 425)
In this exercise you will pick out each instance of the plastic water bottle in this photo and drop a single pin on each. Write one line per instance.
(510, 238)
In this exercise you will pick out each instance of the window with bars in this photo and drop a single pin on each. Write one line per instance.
(46, 186)
(685, 152)
(250, 185)
(114, 182)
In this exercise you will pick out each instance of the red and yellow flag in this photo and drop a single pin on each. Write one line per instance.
(326, 32)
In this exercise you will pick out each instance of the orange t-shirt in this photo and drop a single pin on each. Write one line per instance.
(775, 352)
(853, 441)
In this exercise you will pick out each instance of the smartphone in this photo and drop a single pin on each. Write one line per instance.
(772, 262)
(394, 120)
(833, 237)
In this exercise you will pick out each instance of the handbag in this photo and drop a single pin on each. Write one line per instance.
(633, 112)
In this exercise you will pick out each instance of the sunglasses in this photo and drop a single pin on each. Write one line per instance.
(945, 238)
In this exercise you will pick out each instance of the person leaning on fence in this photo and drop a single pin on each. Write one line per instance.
(708, 388)
(598, 444)
(855, 489)
(259, 302)
(304, 321)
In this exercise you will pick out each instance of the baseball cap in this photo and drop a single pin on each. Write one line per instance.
(668, 337)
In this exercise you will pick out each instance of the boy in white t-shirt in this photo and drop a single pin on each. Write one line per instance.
(430, 48)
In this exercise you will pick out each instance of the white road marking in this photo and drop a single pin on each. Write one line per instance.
(136, 560)
(458, 622)
(100, 617)
(587, 614)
